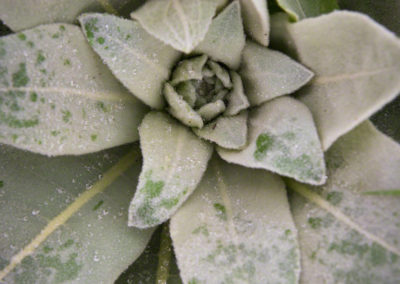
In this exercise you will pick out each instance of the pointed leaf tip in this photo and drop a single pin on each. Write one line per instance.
(284, 140)
(181, 24)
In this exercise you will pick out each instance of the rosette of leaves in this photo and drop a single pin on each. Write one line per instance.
(185, 77)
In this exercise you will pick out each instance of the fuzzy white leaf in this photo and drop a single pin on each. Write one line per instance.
(236, 228)
(182, 24)
(64, 218)
(267, 73)
(284, 140)
(25, 14)
(229, 132)
(141, 62)
(356, 63)
(347, 236)
(174, 162)
(57, 98)
(256, 20)
(225, 38)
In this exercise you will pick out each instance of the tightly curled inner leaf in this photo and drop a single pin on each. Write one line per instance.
(201, 90)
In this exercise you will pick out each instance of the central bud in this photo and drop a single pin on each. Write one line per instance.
(200, 90)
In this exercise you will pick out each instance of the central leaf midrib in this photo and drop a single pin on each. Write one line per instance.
(72, 91)
(325, 205)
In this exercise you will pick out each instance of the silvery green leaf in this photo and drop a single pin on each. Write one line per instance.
(211, 110)
(64, 218)
(267, 73)
(221, 73)
(236, 228)
(57, 98)
(345, 235)
(189, 69)
(256, 20)
(141, 62)
(25, 14)
(356, 64)
(180, 109)
(229, 132)
(225, 38)
(237, 100)
(182, 24)
(282, 139)
(174, 162)
(301, 9)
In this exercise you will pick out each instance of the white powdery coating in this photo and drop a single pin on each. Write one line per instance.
(63, 102)
(236, 228)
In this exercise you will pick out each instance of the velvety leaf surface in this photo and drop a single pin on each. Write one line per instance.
(24, 14)
(256, 20)
(141, 62)
(357, 66)
(267, 73)
(301, 9)
(225, 38)
(347, 236)
(64, 219)
(179, 23)
(174, 162)
(283, 139)
(229, 132)
(57, 98)
(236, 228)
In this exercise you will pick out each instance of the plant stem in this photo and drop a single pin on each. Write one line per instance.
(164, 256)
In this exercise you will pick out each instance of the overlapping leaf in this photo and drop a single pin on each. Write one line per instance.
(225, 38)
(256, 20)
(141, 62)
(57, 98)
(283, 139)
(356, 63)
(64, 218)
(25, 14)
(348, 236)
(174, 162)
(182, 24)
(236, 228)
(268, 73)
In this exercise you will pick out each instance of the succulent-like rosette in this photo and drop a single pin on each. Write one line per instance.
(201, 90)
(225, 125)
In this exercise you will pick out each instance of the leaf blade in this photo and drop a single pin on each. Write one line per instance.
(181, 24)
(301, 9)
(139, 61)
(64, 216)
(348, 78)
(52, 103)
(222, 228)
(174, 162)
(364, 244)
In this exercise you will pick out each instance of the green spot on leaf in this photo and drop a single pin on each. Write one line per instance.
(221, 211)
(66, 116)
(47, 249)
(263, 143)
(67, 62)
(152, 189)
(21, 36)
(169, 202)
(33, 97)
(100, 40)
(40, 57)
(1, 183)
(20, 78)
(90, 28)
(93, 137)
(315, 223)
(383, 192)
(97, 206)
(334, 197)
